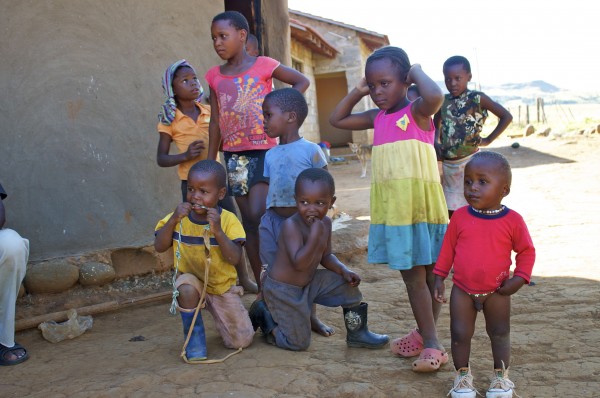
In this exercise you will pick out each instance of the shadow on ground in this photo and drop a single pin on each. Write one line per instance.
(526, 157)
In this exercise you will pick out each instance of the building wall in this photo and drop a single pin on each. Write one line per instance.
(310, 127)
(350, 60)
(81, 90)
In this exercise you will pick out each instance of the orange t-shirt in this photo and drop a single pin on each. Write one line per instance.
(183, 131)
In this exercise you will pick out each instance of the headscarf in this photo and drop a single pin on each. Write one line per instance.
(167, 115)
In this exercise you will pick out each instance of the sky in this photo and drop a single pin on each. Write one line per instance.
(509, 41)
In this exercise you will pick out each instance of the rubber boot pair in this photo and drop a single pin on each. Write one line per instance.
(358, 334)
(196, 347)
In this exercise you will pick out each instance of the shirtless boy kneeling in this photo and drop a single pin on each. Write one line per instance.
(294, 283)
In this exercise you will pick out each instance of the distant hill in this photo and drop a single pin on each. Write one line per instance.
(527, 92)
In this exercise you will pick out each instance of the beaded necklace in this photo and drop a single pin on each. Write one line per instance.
(489, 212)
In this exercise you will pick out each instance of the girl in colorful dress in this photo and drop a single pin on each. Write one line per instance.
(237, 90)
(408, 213)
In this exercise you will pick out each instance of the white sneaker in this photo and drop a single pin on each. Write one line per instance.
(463, 385)
(501, 386)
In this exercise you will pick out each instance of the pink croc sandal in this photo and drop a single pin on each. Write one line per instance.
(408, 346)
(430, 360)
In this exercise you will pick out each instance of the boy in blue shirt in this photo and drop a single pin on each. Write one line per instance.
(284, 112)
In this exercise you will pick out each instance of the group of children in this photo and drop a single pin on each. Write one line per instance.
(283, 191)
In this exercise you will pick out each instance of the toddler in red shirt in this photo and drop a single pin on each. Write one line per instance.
(478, 245)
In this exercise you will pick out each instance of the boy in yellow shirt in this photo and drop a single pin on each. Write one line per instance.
(186, 227)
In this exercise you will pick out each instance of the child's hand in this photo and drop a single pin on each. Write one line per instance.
(439, 290)
(511, 286)
(351, 277)
(214, 220)
(363, 87)
(194, 150)
(317, 225)
(182, 210)
(485, 142)
(411, 71)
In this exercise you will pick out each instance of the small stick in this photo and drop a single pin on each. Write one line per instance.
(60, 316)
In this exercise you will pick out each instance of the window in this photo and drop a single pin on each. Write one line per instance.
(297, 65)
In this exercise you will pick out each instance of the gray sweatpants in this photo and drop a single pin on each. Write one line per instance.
(291, 305)
(14, 252)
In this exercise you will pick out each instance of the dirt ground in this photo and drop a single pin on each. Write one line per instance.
(555, 323)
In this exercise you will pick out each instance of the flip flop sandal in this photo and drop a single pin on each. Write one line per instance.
(5, 350)
(408, 346)
(430, 360)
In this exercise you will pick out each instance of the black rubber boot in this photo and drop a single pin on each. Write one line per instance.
(359, 335)
(261, 317)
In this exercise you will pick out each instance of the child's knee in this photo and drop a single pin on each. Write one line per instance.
(240, 340)
(188, 296)
(252, 223)
(499, 333)
(461, 332)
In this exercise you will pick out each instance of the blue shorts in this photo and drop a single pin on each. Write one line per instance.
(244, 170)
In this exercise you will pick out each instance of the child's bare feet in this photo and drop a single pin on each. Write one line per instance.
(248, 285)
(317, 326)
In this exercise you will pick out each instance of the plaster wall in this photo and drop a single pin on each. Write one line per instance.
(310, 127)
(350, 60)
(81, 89)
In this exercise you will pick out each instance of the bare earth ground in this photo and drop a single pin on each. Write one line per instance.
(555, 324)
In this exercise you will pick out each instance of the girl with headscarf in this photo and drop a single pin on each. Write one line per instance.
(184, 120)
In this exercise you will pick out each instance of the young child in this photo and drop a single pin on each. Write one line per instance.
(14, 252)
(185, 228)
(478, 246)
(458, 126)
(252, 46)
(408, 212)
(237, 90)
(284, 111)
(184, 120)
(293, 282)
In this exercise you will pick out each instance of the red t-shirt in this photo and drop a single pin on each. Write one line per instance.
(240, 99)
(479, 248)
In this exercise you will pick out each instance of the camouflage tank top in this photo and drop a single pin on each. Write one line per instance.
(462, 120)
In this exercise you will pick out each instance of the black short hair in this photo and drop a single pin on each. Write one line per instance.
(235, 18)
(213, 167)
(457, 60)
(316, 174)
(289, 100)
(395, 55)
(498, 160)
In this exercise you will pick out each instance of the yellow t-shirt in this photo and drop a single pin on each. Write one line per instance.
(222, 275)
(184, 130)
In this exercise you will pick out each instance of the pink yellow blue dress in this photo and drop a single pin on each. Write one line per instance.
(409, 216)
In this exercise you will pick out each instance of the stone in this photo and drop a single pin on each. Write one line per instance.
(96, 274)
(546, 132)
(128, 262)
(529, 129)
(53, 276)
(350, 241)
